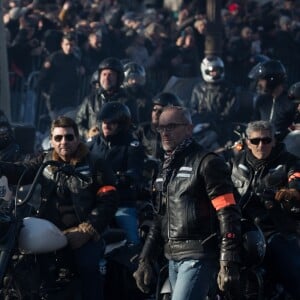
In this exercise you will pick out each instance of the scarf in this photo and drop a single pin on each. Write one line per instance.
(171, 158)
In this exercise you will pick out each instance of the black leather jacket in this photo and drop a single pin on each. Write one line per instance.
(280, 111)
(217, 98)
(89, 109)
(150, 139)
(186, 219)
(219, 102)
(67, 199)
(250, 180)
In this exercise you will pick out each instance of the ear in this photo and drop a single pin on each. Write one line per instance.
(247, 142)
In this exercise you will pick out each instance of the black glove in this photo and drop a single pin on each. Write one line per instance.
(144, 276)
(267, 197)
(229, 277)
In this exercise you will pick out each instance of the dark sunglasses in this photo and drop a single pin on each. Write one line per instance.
(264, 140)
(157, 110)
(68, 137)
(169, 127)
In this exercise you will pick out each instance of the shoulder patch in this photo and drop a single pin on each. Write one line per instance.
(135, 143)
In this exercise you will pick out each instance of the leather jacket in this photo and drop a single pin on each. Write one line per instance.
(150, 139)
(250, 180)
(86, 195)
(89, 109)
(280, 111)
(186, 219)
(219, 103)
(217, 98)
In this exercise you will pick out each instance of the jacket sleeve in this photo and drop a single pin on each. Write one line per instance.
(13, 171)
(220, 191)
(153, 241)
(82, 118)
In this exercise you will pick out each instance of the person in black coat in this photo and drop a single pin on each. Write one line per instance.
(117, 145)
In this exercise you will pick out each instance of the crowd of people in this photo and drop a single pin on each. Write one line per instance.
(136, 142)
(166, 39)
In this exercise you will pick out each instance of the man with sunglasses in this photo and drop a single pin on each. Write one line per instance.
(80, 200)
(271, 199)
(194, 202)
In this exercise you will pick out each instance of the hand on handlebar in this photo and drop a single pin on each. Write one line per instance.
(79, 235)
(287, 195)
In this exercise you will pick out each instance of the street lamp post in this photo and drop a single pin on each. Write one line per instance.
(4, 86)
(213, 37)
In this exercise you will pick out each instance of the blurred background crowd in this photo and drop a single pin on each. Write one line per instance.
(165, 37)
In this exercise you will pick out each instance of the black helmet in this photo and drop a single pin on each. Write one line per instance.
(132, 70)
(253, 244)
(94, 80)
(258, 60)
(294, 92)
(115, 112)
(167, 99)
(271, 70)
(114, 64)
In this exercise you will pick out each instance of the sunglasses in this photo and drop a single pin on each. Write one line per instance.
(264, 140)
(68, 137)
(157, 110)
(169, 127)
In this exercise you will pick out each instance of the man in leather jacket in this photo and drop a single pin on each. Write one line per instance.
(195, 206)
(81, 199)
(125, 154)
(215, 98)
(267, 182)
(107, 87)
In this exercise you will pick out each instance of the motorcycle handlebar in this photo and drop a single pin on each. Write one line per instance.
(63, 167)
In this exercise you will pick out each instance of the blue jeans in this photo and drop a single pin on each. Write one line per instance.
(126, 218)
(87, 260)
(191, 279)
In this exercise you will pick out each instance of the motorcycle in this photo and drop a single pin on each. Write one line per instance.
(32, 260)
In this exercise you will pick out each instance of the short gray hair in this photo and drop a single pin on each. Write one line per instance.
(184, 112)
(260, 125)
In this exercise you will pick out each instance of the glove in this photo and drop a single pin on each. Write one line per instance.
(143, 276)
(267, 197)
(287, 195)
(80, 235)
(228, 277)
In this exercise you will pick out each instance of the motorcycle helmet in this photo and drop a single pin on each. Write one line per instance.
(166, 99)
(116, 112)
(40, 236)
(258, 59)
(294, 92)
(114, 64)
(272, 71)
(253, 244)
(210, 64)
(94, 80)
(134, 71)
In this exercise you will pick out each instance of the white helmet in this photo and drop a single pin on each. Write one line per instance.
(40, 236)
(210, 64)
